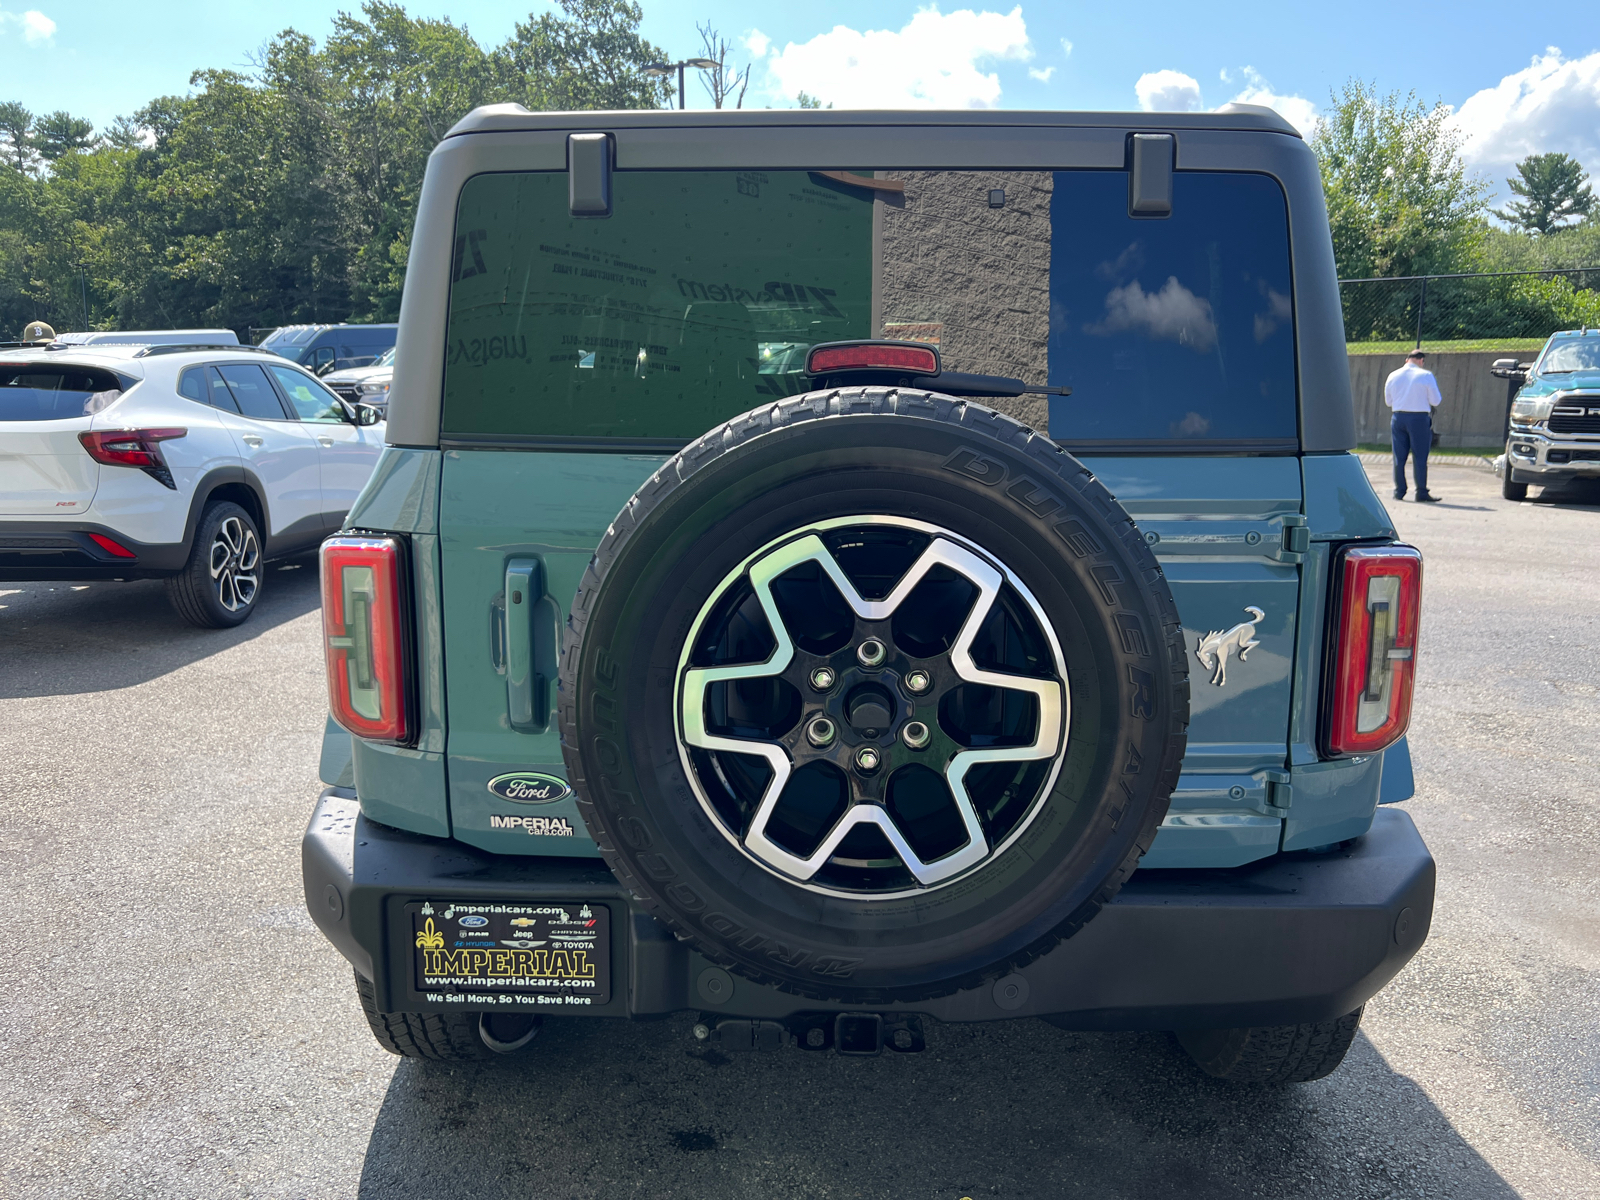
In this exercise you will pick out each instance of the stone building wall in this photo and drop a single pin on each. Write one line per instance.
(974, 280)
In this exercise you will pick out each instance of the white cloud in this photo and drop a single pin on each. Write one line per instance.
(35, 26)
(1553, 104)
(1174, 314)
(1066, 48)
(1042, 76)
(1224, 76)
(1297, 110)
(1167, 91)
(933, 62)
(757, 43)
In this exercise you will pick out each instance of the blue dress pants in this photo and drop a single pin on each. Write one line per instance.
(1412, 433)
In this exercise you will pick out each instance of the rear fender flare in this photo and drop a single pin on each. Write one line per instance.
(226, 480)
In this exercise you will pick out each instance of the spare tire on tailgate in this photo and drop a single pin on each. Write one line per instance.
(873, 694)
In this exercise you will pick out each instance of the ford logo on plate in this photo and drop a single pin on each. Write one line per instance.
(529, 787)
(473, 922)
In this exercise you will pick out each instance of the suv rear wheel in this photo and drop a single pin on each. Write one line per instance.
(449, 1036)
(1272, 1053)
(873, 695)
(218, 586)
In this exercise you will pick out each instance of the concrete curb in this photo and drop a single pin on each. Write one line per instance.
(1477, 461)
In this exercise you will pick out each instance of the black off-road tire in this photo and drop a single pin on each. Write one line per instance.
(194, 592)
(1272, 1053)
(911, 455)
(456, 1037)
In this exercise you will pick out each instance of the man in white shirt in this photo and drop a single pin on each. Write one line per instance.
(1413, 394)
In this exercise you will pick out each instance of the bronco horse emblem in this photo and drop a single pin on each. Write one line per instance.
(1215, 646)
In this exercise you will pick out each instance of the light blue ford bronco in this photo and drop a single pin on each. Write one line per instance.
(837, 573)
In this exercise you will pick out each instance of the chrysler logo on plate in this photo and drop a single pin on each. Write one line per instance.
(529, 787)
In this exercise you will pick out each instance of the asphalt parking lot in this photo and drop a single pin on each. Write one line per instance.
(172, 1024)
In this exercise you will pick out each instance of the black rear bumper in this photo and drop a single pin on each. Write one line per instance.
(41, 550)
(1289, 939)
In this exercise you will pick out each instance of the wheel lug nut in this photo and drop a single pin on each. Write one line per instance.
(918, 682)
(871, 653)
(821, 732)
(867, 758)
(915, 735)
(822, 679)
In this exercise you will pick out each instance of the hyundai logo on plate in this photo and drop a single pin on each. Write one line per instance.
(529, 787)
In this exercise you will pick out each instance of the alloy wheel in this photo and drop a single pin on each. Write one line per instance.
(235, 564)
(872, 707)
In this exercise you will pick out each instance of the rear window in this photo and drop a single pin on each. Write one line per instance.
(51, 393)
(699, 297)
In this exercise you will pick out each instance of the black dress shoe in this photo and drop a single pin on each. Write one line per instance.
(1399, 495)
(1425, 498)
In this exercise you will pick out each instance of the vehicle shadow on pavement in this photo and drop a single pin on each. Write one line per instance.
(601, 1109)
(1585, 497)
(62, 639)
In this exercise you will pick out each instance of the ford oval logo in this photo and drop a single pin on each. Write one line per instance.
(473, 922)
(530, 787)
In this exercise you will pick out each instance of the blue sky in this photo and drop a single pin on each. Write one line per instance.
(1513, 92)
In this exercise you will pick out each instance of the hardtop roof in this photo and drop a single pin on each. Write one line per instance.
(508, 118)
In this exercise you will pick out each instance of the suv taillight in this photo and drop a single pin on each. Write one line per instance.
(363, 611)
(133, 448)
(1378, 601)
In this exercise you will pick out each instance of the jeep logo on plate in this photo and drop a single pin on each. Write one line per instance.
(529, 787)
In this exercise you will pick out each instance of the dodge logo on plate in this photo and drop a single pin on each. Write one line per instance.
(530, 787)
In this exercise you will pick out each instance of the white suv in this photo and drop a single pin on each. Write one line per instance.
(192, 464)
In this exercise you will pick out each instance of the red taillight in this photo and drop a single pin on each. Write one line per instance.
(112, 547)
(133, 448)
(1374, 658)
(128, 447)
(363, 634)
(856, 356)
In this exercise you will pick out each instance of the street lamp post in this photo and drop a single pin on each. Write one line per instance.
(660, 69)
(83, 279)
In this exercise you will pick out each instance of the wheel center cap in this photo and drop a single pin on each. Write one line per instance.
(870, 712)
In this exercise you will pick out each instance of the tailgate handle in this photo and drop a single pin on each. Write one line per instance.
(530, 645)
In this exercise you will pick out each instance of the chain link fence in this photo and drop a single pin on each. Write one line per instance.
(1501, 310)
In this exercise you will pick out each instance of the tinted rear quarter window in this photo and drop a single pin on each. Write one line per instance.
(49, 393)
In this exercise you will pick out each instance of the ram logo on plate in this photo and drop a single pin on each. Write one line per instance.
(529, 787)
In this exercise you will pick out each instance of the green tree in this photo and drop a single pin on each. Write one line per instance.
(1400, 201)
(16, 126)
(61, 133)
(286, 192)
(589, 58)
(1554, 191)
